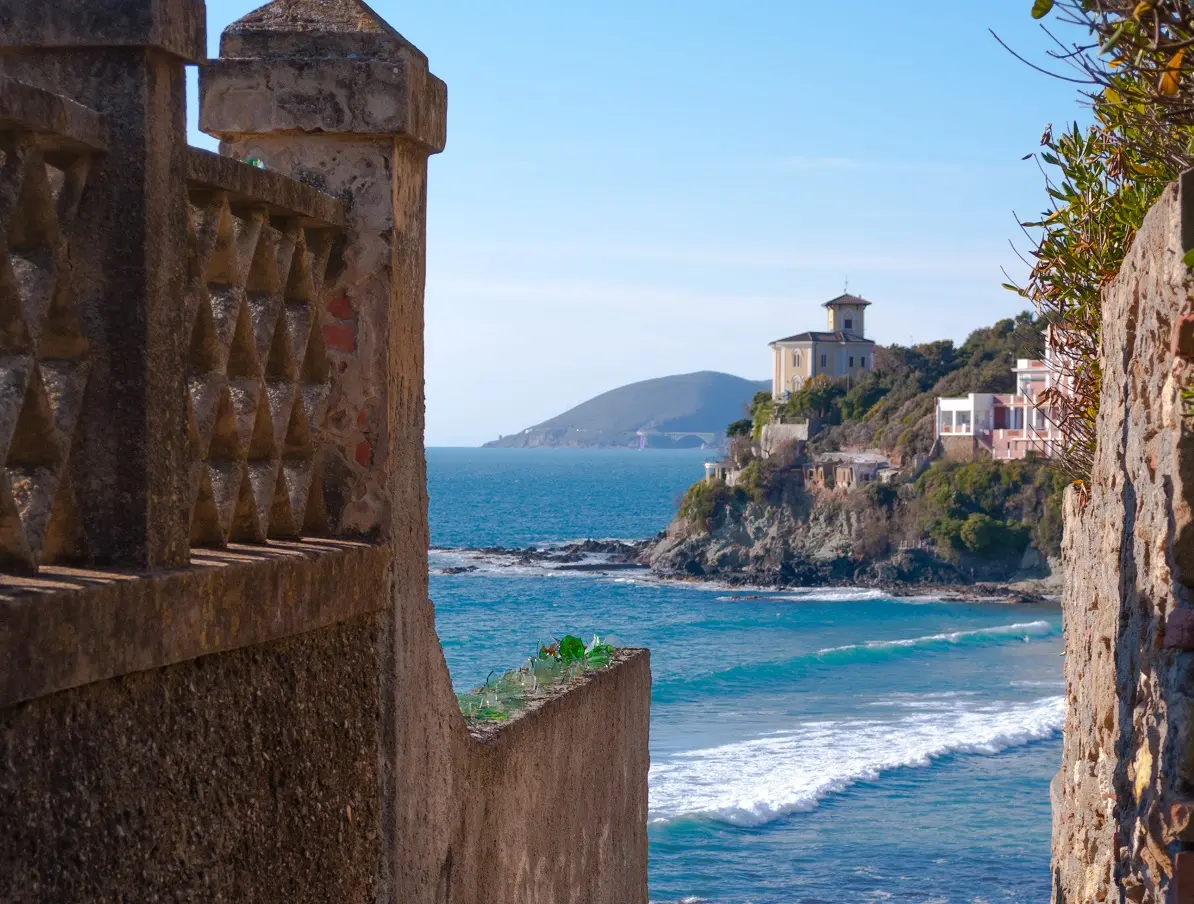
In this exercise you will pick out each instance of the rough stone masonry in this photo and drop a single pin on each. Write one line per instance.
(219, 673)
(1124, 798)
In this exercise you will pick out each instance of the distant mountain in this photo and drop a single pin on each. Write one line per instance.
(684, 411)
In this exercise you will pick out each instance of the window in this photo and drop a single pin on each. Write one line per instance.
(822, 359)
(795, 359)
(962, 421)
(851, 361)
(862, 362)
(849, 323)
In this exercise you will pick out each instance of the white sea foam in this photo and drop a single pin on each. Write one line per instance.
(511, 564)
(761, 780)
(832, 595)
(1024, 629)
(1057, 682)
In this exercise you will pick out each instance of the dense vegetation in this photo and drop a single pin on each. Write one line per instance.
(990, 508)
(1137, 71)
(892, 407)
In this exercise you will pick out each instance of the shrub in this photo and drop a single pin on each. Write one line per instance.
(739, 428)
(762, 411)
(741, 451)
(817, 398)
(991, 508)
(1103, 179)
(755, 480)
(703, 501)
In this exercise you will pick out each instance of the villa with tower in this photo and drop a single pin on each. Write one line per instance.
(841, 351)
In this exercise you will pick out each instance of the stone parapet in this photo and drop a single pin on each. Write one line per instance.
(274, 193)
(562, 809)
(68, 627)
(358, 97)
(55, 122)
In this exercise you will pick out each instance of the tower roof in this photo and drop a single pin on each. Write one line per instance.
(840, 336)
(846, 299)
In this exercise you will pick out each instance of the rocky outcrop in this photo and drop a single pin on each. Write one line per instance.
(762, 542)
(1123, 801)
(815, 539)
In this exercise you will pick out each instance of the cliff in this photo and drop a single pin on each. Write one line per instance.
(955, 524)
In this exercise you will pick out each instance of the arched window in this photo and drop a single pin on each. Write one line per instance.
(795, 359)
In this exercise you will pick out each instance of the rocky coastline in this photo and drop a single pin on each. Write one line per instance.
(907, 574)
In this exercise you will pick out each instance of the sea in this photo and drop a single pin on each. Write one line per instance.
(811, 745)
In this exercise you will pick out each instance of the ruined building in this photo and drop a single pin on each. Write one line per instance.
(219, 673)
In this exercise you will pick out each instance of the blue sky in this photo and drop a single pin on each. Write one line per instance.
(634, 188)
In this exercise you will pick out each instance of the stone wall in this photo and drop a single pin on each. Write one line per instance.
(219, 672)
(775, 435)
(1124, 798)
(956, 448)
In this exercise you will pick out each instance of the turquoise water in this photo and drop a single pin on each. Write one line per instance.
(816, 746)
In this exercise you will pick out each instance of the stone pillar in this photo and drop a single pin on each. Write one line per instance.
(125, 59)
(326, 92)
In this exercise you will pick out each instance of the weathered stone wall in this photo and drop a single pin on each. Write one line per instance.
(775, 435)
(219, 672)
(957, 448)
(1124, 798)
(245, 776)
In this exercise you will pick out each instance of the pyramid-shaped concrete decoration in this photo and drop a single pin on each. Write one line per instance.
(287, 28)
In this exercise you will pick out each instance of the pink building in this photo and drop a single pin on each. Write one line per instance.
(1006, 426)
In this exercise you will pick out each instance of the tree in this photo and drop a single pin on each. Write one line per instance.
(741, 427)
(815, 398)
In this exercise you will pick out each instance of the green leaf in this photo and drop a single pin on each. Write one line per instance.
(1188, 259)
(1041, 8)
(1109, 44)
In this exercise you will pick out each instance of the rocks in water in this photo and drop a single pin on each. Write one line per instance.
(586, 555)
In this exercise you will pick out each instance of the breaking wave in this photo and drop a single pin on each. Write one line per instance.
(1019, 631)
(759, 781)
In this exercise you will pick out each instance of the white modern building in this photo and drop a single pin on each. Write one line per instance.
(1007, 426)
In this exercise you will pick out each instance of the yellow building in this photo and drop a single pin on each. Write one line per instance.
(842, 351)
